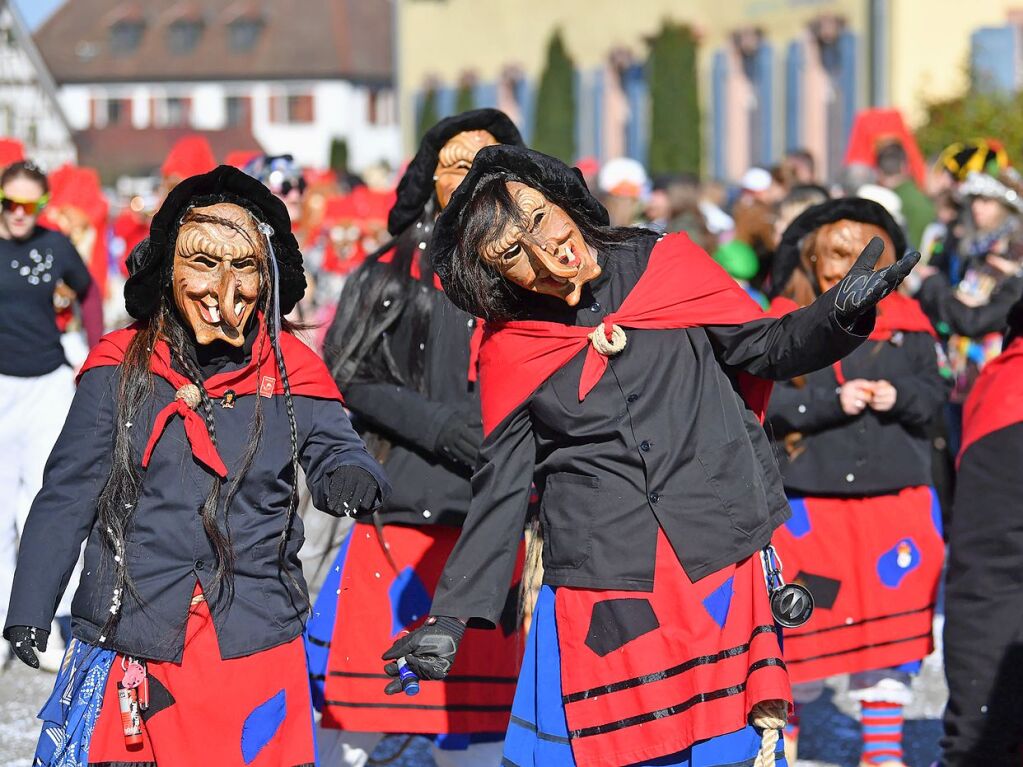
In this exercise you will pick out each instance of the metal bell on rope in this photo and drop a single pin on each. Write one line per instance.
(791, 604)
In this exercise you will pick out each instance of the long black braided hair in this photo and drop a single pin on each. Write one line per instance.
(121, 491)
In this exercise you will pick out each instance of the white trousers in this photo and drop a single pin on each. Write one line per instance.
(353, 749)
(32, 413)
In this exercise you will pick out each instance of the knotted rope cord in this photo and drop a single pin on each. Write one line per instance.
(771, 717)
(608, 340)
(189, 394)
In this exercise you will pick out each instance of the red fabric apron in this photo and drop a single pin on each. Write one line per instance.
(375, 603)
(873, 566)
(996, 400)
(253, 711)
(714, 655)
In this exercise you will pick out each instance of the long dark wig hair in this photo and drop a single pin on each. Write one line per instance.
(476, 285)
(357, 347)
(121, 491)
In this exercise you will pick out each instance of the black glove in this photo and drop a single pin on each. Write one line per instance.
(25, 640)
(429, 651)
(862, 288)
(353, 492)
(459, 440)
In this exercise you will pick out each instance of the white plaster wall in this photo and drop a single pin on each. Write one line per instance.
(141, 107)
(209, 112)
(74, 100)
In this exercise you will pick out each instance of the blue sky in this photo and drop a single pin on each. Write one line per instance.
(36, 12)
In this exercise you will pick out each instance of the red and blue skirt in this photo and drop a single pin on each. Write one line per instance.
(366, 601)
(873, 565)
(669, 677)
(253, 711)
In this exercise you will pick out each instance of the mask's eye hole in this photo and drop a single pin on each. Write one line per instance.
(512, 252)
(537, 219)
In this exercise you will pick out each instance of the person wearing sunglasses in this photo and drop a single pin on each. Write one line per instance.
(38, 266)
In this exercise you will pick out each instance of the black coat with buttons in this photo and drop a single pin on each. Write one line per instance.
(663, 441)
(823, 451)
(167, 550)
(429, 487)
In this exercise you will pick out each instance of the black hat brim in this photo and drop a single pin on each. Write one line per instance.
(149, 263)
(417, 185)
(786, 257)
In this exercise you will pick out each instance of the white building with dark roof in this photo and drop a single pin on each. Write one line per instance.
(29, 107)
(280, 75)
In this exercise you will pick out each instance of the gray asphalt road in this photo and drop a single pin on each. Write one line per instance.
(830, 733)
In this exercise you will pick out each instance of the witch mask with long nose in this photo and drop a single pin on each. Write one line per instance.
(541, 249)
(217, 272)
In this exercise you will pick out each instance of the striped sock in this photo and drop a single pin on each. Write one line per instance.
(882, 732)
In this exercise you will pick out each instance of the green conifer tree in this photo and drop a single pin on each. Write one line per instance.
(554, 127)
(675, 141)
(465, 99)
(428, 116)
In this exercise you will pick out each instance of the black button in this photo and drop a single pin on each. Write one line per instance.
(644, 446)
(595, 307)
(199, 564)
(654, 497)
(632, 398)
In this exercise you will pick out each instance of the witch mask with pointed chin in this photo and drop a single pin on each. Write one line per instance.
(454, 160)
(219, 260)
(541, 249)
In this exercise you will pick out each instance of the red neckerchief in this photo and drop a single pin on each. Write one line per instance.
(307, 377)
(895, 314)
(996, 400)
(415, 271)
(682, 287)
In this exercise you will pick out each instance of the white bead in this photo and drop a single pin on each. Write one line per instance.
(850, 477)
(427, 513)
(802, 408)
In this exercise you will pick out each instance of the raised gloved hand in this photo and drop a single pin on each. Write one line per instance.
(25, 640)
(429, 651)
(353, 492)
(863, 288)
(459, 439)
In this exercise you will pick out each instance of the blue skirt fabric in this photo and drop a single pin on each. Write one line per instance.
(538, 732)
(70, 714)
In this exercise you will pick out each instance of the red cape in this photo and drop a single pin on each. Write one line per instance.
(682, 287)
(307, 377)
(996, 400)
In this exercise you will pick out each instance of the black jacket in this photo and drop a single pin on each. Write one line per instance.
(872, 453)
(428, 488)
(950, 315)
(662, 441)
(167, 550)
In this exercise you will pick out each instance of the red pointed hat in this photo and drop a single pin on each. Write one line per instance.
(190, 156)
(11, 151)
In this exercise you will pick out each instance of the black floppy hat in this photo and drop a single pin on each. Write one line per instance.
(416, 186)
(558, 182)
(150, 263)
(786, 257)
